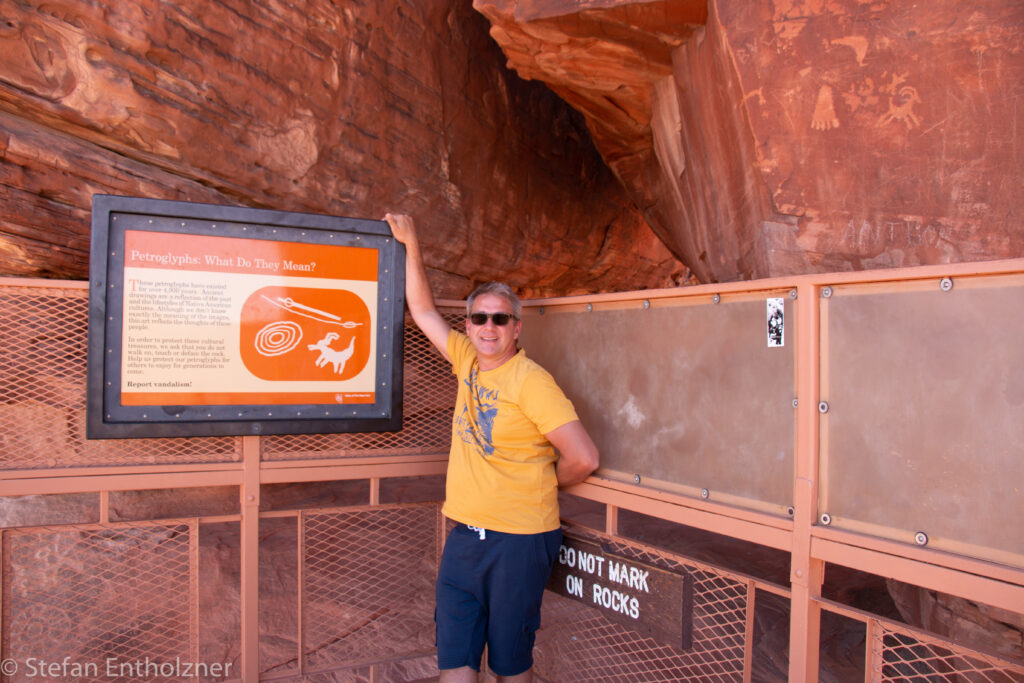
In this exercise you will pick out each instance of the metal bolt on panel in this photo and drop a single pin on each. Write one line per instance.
(921, 538)
(826, 518)
(704, 493)
(946, 284)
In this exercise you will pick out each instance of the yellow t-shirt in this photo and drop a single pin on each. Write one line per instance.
(501, 469)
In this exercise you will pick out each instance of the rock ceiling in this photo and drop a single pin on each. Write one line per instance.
(350, 110)
(689, 140)
(790, 136)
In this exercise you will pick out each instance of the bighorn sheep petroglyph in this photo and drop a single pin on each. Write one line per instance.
(333, 356)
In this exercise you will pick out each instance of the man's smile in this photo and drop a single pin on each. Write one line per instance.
(495, 343)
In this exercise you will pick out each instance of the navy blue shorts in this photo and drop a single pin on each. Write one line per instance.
(489, 592)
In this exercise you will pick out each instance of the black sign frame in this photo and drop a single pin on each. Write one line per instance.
(108, 417)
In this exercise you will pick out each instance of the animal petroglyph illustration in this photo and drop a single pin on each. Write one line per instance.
(902, 99)
(333, 356)
(901, 108)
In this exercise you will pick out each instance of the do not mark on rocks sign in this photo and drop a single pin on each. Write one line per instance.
(639, 596)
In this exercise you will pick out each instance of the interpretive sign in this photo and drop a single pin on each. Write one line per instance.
(214, 320)
(641, 597)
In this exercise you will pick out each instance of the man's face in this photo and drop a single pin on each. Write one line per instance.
(494, 343)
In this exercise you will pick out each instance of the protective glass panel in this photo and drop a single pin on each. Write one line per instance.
(925, 427)
(691, 395)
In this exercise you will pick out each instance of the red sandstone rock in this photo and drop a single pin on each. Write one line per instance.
(308, 107)
(787, 136)
(757, 138)
(990, 628)
(792, 136)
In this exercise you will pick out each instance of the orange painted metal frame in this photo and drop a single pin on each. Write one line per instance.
(811, 545)
(247, 475)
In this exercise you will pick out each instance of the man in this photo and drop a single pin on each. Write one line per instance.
(503, 478)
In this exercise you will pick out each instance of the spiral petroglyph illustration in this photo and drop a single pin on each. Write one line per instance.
(277, 338)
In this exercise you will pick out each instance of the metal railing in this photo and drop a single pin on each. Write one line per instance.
(893, 389)
(761, 444)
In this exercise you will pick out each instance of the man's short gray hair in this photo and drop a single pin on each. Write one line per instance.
(497, 289)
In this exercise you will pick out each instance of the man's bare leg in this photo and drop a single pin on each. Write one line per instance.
(464, 674)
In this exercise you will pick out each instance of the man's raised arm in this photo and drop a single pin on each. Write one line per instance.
(418, 296)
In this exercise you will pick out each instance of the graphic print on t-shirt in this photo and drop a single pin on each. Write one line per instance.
(476, 423)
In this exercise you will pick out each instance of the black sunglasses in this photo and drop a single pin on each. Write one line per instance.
(500, 319)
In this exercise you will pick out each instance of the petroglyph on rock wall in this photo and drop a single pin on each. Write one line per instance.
(797, 118)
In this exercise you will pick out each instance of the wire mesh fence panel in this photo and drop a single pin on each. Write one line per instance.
(408, 670)
(428, 389)
(363, 674)
(121, 601)
(43, 406)
(278, 598)
(44, 332)
(414, 670)
(903, 655)
(114, 602)
(578, 643)
(368, 585)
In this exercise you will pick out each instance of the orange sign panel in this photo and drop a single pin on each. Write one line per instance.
(215, 254)
(213, 320)
(210, 320)
(300, 333)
